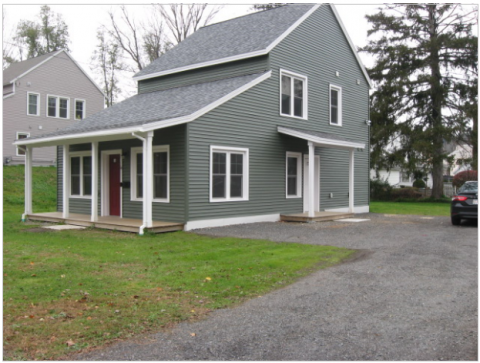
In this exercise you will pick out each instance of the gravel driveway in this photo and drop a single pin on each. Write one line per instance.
(411, 295)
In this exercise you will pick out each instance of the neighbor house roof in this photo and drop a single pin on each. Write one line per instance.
(243, 37)
(19, 69)
(154, 110)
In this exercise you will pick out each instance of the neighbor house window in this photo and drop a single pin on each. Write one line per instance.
(81, 175)
(33, 108)
(228, 174)
(79, 109)
(404, 177)
(293, 95)
(293, 175)
(161, 173)
(20, 136)
(57, 106)
(335, 105)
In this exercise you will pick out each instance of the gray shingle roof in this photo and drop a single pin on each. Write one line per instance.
(246, 34)
(16, 69)
(151, 107)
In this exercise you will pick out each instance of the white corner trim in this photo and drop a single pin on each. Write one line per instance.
(319, 141)
(352, 46)
(152, 125)
(38, 65)
(232, 58)
(210, 223)
(356, 209)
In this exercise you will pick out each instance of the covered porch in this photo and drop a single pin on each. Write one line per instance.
(105, 222)
(312, 208)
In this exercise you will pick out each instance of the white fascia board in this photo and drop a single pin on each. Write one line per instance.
(320, 141)
(62, 139)
(352, 46)
(235, 57)
(38, 65)
(204, 110)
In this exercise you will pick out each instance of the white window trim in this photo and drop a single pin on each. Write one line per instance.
(57, 108)
(84, 108)
(245, 184)
(298, 156)
(28, 104)
(133, 172)
(16, 149)
(80, 154)
(303, 78)
(340, 104)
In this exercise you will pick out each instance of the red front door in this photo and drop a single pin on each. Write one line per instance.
(114, 165)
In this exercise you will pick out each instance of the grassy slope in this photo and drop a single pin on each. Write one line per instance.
(71, 290)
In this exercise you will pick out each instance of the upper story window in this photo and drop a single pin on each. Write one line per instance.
(161, 174)
(79, 109)
(335, 105)
(81, 175)
(33, 107)
(21, 135)
(293, 95)
(228, 174)
(58, 106)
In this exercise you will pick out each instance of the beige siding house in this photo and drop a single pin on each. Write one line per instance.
(42, 95)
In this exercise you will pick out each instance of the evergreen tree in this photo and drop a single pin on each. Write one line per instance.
(426, 84)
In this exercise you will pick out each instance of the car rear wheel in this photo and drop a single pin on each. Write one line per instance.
(456, 221)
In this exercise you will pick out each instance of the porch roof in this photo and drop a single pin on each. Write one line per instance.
(321, 139)
(149, 111)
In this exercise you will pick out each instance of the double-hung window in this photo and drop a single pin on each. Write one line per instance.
(228, 174)
(33, 107)
(58, 106)
(293, 95)
(79, 109)
(335, 105)
(21, 135)
(81, 175)
(293, 175)
(161, 174)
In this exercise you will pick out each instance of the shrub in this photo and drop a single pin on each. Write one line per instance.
(406, 193)
(419, 183)
(463, 176)
(380, 189)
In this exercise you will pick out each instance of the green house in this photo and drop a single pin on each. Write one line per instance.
(252, 119)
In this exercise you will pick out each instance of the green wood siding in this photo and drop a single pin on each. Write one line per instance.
(208, 74)
(316, 49)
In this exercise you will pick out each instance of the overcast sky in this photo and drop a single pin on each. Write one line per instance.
(83, 21)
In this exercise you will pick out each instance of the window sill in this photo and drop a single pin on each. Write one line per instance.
(81, 196)
(337, 125)
(60, 118)
(295, 117)
(293, 196)
(153, 200)
(223, 200)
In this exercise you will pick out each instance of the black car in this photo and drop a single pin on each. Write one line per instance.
(465, 203)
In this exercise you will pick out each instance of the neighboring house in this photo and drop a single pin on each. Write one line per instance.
(44, 94)
(398, 178)
(462, 155)
(246, 120)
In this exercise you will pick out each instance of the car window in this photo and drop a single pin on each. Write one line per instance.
(469, 187)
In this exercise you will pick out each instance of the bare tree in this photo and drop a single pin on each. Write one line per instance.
(7, 46)
(106, 62)
(155, 42)
(183, 20)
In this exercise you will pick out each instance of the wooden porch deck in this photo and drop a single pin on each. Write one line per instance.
(106, 222)
(319, 217)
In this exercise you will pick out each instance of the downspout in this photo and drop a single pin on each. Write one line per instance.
(142, 227)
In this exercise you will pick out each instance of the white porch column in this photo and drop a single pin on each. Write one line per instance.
(351, 168)
(28, 183)
(66, 181)
(311, 179)
(94, 214)
(147, 179)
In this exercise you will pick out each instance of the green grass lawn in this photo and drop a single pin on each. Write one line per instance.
(73, 290)
(423, 208)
